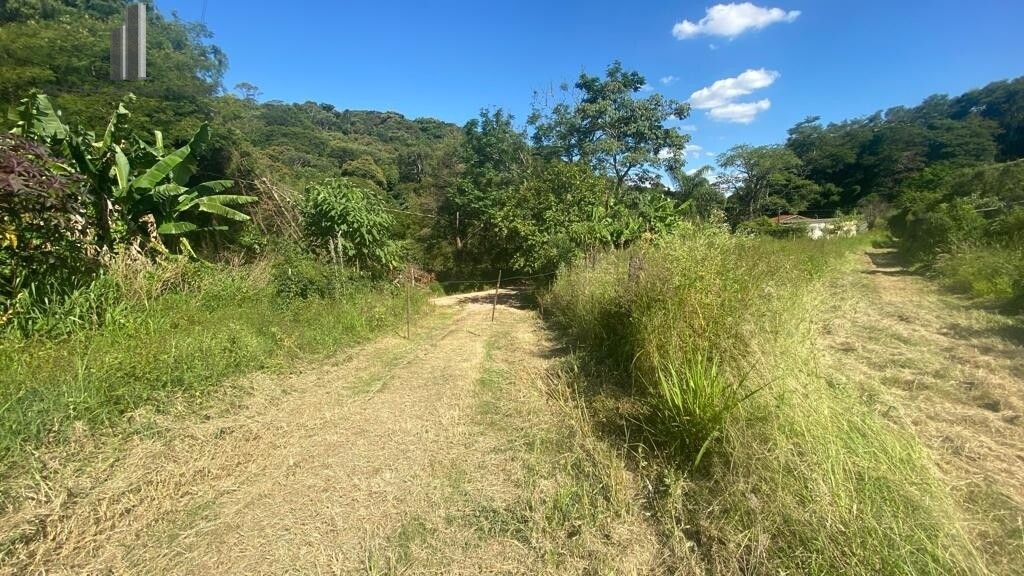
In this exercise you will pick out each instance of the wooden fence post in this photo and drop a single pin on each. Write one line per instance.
(494, 306)
(408, 303)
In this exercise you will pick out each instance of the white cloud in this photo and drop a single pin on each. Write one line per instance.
(728, 89)
(690, 150)
(688, 127)
(739, 112)
(666, 80)
(731, 20)
(646, 88)
(720, 98)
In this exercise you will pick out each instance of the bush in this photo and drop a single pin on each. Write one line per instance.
(982, 271)
(350, 224)
(43, 236)
(967, 230)
(299, 277)
(764, 226)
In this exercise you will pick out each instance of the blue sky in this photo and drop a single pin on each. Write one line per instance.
(447, 59)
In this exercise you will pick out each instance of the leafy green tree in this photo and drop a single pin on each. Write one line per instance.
(697, 190)
(247, 91)
(349, 223)
(763, 179)
(365, 168)
(605, 125)
(494, 152)
(878, 155)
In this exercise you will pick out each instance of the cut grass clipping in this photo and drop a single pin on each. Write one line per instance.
(144, 335)
(768, 466)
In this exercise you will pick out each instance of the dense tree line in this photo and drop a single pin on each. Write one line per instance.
(870, 159)
(584, 173)
(586, 170)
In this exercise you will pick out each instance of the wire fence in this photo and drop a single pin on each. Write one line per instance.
(502, 279)
(410, 283)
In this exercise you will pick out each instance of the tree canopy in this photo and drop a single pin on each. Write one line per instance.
(603, 123)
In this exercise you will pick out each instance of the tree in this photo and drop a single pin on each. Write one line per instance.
(247, 91)
(350, 223)
(140, 193)
(763, 176)
(494, 152)
(696, 188)
(607, 127)
(365, 168)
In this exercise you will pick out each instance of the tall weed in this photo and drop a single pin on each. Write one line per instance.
(768, 464)
(989, 272)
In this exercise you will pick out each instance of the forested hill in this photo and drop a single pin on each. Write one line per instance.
(868, 164)
(871, 158)
(61, 48)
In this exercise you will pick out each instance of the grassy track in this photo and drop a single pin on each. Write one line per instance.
(166, 338)
(458, 451)
(765, 461)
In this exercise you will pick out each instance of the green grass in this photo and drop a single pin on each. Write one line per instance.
(990, 273)
(161, 337)
(762, 462)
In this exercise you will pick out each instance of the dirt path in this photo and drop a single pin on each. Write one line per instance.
(953, 373)
(454, 452)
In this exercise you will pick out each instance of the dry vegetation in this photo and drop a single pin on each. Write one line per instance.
(456, 452)
(953, 373)
(484, 448)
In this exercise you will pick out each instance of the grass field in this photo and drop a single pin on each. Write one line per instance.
(703, 358)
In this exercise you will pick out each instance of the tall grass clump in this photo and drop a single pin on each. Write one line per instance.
(769, 465)
(990, 273)
(149, 336)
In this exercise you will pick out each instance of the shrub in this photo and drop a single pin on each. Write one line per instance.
(983, 271)
(300, 276)
(44, 244)
(764, 226)
(350, 224)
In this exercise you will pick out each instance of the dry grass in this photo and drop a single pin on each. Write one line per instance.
(447, 453)
(802, 477)
(954, 375)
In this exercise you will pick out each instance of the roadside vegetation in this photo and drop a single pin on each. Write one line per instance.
(705, 344)
(966, 228)
(144, 337)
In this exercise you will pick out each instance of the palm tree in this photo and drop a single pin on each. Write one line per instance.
(697, 189)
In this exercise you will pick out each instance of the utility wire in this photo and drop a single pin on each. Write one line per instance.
(503, 279)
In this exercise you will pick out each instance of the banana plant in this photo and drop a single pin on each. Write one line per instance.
(134, 183)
